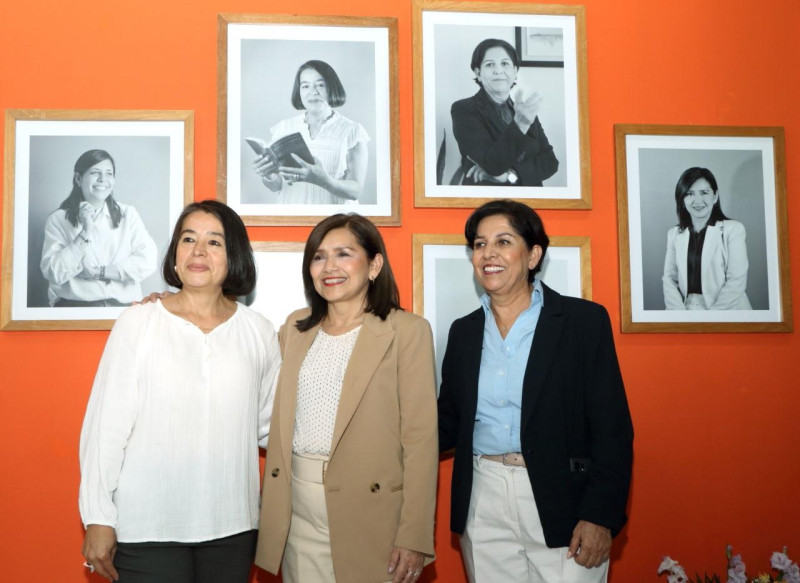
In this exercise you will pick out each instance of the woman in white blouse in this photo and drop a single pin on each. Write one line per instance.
(338, 144)
(181, 401)
(96, 249)
(350, 478)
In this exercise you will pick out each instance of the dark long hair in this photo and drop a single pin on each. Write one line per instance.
(241, 278)
(382, 294)
(72, 203)
(685, 182)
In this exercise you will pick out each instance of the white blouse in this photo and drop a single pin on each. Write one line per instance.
(169, 445)
(337, 136)
(319, 386)
(129, 247)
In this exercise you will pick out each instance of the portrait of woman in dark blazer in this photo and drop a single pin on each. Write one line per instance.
(502, 142)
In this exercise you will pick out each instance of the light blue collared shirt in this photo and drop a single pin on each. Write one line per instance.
(503, 363)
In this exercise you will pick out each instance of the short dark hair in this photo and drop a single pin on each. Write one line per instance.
(241, 278)
(523, 219)
(685, 182)
(382, 294)
(72, 203)
(480, 53)
(336, 93)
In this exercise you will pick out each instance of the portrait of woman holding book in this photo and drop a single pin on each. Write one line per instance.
(328, 165)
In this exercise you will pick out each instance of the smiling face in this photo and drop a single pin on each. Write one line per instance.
(96, 183)
(501, 258)
(201, 258)
(699, 201)
(313, 90)
(497, 73)
(341, 270)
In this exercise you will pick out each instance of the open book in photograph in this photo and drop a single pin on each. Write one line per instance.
(280, 151)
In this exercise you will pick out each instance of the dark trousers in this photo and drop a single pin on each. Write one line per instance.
(222, 560)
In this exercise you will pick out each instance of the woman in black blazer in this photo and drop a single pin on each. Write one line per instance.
(501, 141)
(533, 402)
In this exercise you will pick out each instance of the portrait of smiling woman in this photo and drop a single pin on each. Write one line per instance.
(705, 267)
(96, 250)
(501, 140)
(338, 144)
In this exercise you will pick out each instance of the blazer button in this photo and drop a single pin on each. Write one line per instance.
(275, 472)
(375, 487)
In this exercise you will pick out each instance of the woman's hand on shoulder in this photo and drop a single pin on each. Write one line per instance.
(153, 297)
(406, 565)
(99, 548)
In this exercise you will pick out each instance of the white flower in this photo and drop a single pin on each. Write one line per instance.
(780, 561)
(667, 564)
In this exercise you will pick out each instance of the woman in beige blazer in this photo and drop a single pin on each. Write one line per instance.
(350, 478)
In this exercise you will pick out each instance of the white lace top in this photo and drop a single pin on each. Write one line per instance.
(319, 387)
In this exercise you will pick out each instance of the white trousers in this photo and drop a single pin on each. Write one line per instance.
(307, 558)
(504, 540)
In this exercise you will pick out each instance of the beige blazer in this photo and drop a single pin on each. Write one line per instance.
(380, 486)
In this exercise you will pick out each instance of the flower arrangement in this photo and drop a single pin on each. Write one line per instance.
(788, 572)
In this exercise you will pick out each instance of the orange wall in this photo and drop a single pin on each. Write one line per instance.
(716, 415)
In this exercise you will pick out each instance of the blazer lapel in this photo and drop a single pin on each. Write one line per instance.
(712, 241)
(373, 341)
(681, 252)
(296, 349)
(472, 351)
(490, 112)
(543, 352)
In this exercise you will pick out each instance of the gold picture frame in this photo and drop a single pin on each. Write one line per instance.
(153, 157)
(363, 53)
(444, 37)
(744, 279)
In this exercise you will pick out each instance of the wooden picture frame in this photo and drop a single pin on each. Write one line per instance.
(259, 60)
(445, 36)
(151, 166)
(744, 279)
(444, 287)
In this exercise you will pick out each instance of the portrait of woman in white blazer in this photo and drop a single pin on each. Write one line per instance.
(705, 267)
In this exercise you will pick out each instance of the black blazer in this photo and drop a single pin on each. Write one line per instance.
(497, 147)
(577, 435)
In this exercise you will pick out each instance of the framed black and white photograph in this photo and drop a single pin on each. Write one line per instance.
(279, 287)
(445, 287)
(500, 104)
(540, 46)
(308, 118)
(703, 229)
(89, 203)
